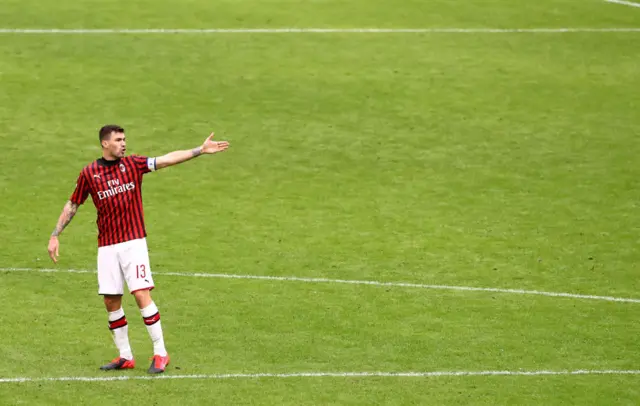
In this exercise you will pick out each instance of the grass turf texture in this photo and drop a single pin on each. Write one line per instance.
(482, 160)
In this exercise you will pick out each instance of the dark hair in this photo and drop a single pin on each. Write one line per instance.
(106, 131)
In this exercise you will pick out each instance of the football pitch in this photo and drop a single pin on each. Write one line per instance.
(424, 202)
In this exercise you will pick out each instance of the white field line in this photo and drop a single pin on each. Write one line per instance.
(82, 31)
(354, 282)
(321, 375)
(625, 3)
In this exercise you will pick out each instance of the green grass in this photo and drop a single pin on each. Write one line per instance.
(500, 160)
(317, 13)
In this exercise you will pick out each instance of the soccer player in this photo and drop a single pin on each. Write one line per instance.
(114, 183)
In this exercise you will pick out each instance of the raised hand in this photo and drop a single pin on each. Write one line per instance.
(211, 147)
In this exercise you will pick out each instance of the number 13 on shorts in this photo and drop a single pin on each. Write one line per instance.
(138, 276)
(141, 271)
(127, 261)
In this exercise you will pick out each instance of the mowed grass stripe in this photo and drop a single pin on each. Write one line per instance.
(542, 30)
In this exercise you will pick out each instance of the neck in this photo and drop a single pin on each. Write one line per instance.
(107, 157)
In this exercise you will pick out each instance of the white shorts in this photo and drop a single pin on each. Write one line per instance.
(128, 261)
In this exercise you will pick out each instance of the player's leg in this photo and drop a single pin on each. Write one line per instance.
(137, 273)
(151, 318)
(111, 286)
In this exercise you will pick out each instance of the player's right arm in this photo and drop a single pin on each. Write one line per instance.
(68, 211)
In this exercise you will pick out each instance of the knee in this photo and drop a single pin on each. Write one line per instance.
(143, 298)
(112, 303)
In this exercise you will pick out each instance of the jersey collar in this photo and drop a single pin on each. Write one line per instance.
(104, 162)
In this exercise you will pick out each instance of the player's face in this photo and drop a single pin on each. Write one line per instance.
(116, 145)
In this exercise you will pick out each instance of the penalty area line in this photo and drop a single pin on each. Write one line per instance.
(434, 374)
(354, 282)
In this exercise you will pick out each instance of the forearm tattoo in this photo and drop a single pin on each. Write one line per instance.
(196, 151)
(70, 210)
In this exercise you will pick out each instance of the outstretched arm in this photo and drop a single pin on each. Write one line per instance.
(70, 209)
(208, 147)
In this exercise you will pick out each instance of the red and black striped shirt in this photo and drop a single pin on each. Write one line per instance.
(116, 190)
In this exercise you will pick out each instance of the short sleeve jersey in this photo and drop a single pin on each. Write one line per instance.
(116, 190)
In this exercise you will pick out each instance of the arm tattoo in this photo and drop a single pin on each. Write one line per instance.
(196, 151)
(70, 210)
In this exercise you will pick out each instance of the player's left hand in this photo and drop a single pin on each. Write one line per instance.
(211, 147)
